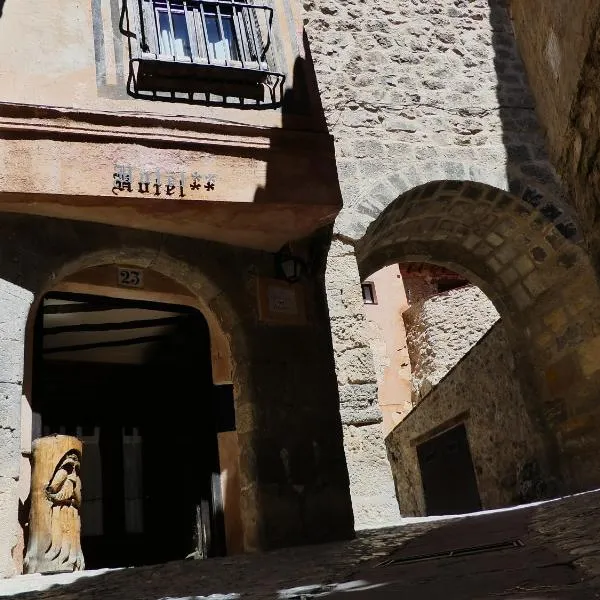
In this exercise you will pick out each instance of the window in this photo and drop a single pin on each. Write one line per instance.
(222, 33)
(222, 47)
(173, 37)
(368, 293)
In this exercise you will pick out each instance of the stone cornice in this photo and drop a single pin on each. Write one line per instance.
(25, 120)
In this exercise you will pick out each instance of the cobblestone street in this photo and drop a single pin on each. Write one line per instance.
(539, 552)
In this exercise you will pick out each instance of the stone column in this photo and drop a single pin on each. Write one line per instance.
(15, 303)
(371, 483)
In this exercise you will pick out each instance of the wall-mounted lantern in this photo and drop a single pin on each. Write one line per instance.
(289, 267)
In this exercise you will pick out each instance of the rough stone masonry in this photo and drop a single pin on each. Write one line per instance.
(414, 91)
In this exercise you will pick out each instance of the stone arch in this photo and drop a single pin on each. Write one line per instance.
(189, 286)
(58, 249)
(542, 284)
(191, 279)
(533, 180)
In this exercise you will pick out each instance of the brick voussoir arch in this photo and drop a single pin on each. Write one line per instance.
(543, 285)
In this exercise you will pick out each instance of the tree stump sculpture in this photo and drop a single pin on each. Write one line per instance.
(54, 524)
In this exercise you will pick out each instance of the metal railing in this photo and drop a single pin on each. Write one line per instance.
(220, 51)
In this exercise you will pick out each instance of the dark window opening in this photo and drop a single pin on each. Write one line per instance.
(368, 293)
(446, 285)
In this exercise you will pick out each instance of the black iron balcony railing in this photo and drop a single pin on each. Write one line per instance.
(222, 47)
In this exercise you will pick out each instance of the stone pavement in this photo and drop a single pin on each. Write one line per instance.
(547, 551)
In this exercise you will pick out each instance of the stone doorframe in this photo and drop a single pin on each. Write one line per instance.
(293, 478)
(190, 287)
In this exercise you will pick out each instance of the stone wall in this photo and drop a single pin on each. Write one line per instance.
(15, 302)
(357, 380)
(559, 43)
(482, 391)
(554, 39)
(374, 501)
(421, 96)
(421, 91)
(441, 330)
(292, 470)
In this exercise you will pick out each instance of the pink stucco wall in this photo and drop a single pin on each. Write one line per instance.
(388, 342)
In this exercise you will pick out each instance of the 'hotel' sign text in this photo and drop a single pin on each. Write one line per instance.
(159, 182)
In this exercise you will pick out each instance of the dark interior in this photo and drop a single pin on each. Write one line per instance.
(167, 401)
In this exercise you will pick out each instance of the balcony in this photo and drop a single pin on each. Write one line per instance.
(211, 52)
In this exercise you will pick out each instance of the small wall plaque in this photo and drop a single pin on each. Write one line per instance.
(280, 302)
(132, 278)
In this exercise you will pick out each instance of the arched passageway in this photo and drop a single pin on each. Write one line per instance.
(292, 475)
(132, 379)
(543, 286)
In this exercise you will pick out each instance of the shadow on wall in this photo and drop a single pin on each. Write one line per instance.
(301, 101)
(2, 6)
(534, 179)
(303, 97)
(527, 159)
(528, 170)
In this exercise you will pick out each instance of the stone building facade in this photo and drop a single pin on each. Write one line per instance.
(144, 172)
(481, 393)
(442, 160)
(436, 155)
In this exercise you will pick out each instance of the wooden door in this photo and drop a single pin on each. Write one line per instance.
(447, 474)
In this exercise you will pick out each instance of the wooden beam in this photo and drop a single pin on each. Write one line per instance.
(62, 309)
(90, 327)
(98, 303)
(110, 344)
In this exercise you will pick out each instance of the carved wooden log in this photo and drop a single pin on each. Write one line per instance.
(54, 544)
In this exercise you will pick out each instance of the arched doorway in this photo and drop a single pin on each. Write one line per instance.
(282, 469)
(458, 435)
(133, 379)
(542, 284)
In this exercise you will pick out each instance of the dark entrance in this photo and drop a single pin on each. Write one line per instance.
(447, 473)
(133, 380)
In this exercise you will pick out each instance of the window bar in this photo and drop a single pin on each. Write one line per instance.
(235, 19)
(194, 16)
(264, 45)
(222, 32)
(254, 39)
(172, 41)
(137, 17)
(244, 33)
(189, 18)
(156, 28)
(203, 17)
(268, 16)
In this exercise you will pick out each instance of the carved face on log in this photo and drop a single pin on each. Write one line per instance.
(65, 485)
(71, 463)
(54, 543)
